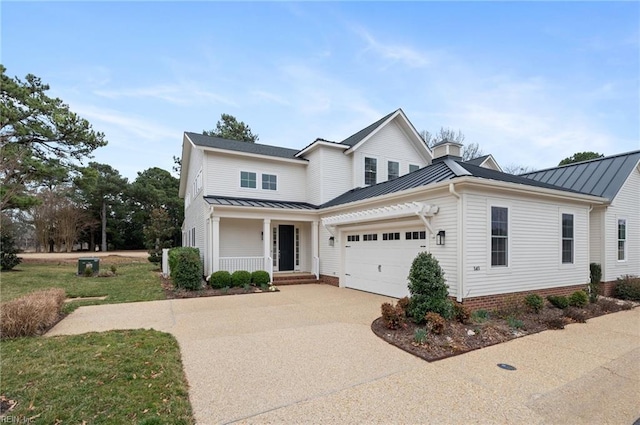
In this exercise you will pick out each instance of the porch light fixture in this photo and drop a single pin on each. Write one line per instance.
(440, 237)
(332, 241)
(261, 236)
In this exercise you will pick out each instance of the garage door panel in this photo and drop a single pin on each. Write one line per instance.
(381, 266)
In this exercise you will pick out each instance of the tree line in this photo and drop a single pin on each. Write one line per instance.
(50, 200)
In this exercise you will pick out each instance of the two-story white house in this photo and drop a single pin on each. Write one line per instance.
(355, 213)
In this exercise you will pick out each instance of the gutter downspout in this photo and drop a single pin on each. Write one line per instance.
(460, 257)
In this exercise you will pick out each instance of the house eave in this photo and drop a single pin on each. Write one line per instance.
(319, 143)
(253, 155)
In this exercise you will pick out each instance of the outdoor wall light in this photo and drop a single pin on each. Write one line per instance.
(261, 236)
(332, 241)
(440, 237)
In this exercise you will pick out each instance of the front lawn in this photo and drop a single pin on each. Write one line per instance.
(134, 281)
(115, 377)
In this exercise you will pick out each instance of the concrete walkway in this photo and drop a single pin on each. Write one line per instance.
(306, 354)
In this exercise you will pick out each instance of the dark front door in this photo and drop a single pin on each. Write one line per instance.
(285, 237)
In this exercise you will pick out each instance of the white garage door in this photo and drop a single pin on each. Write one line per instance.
(379, 262)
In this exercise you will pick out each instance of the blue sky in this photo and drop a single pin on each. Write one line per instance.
(532, 83)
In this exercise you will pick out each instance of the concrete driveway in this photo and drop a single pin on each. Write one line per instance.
(306, 354)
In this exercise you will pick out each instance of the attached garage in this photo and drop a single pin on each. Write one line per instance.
(379, 262)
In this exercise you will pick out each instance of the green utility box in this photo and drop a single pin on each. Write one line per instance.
(84, 263)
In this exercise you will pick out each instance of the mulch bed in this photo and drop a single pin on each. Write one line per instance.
(173, 293)
(459, 338)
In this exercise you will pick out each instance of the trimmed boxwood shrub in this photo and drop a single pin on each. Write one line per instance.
(628, 288)
(220, 279)
(260, 277)
(427, 288)
(578, 299)
(239, 278)
(187, 269)
(535, 302)
(559, 301)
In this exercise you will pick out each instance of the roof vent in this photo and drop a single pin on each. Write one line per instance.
(447, 149)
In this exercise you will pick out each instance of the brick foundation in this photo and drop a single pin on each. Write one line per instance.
(490, 302)
(607, 288)
(330, 280)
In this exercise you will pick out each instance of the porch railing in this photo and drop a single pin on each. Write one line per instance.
(250, 264)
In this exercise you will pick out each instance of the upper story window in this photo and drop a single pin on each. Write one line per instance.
(393, 170)
(413, 167)
(370, 171)
(499, 236)
(247, 179)
(197, 183)
(567, 238)
(270, 182)
(622, 239)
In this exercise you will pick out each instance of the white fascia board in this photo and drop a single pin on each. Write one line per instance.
(187, 146)
(318, 143)
(254, 155)
(258, 213)
(491, 159)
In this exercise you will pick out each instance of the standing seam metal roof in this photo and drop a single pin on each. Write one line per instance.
(602, 177)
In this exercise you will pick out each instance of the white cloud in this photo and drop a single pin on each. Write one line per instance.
(185, 93)
(393, 53)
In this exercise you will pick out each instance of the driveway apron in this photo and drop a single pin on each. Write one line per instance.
(307, 354)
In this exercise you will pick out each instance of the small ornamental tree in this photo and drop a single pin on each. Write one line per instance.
(428, 289)
(8, 250)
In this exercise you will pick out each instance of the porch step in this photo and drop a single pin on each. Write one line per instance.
(294, 279)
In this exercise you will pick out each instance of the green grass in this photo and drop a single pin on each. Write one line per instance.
(116, 377)
(133, 282)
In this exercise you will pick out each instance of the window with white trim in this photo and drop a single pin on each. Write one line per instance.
(393, 170)
(193, 236)
(269, 182)
(622, 239)
(413, 167)
(499, 236)
(297, 247)
(567, 239)
(248, 179)
(370, 237)
(370, 171)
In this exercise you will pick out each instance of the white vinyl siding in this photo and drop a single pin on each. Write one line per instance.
(534, 246)
(329, 174)
(240, 238)
(195, 206)
(390, 143)
(224, 174)
(624, 205)
(595, 235)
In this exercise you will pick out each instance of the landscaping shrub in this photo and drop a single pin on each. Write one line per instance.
(220, 279)
(187, 270)
(461, 313)
(575, 314)
(559, 301)
(420, 336)
(393, 317)
(8, 250)
(510, 306)
(535, 302)
(114, 269)
(594, 285)
(175, 253)
(578, 299)
(480, 316)
(260, 277)
(240, 278)
(403, 303)
(515, 323)
(428, 289)
(628, 288)
(31, 314)
(435, 322)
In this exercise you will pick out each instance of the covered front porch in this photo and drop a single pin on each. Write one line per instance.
(280, 243)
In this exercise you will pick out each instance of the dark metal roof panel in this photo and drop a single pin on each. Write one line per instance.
(259, 203)
(356, 138)
(602, 177)
(238, 146)
(478, 161)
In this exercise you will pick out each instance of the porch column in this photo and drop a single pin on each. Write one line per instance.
(215, 244)
(266, 244)
(314, 249)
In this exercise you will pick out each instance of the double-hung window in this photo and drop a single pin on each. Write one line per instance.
(567, 238)
(622, 239)
(413, 167)
(269, 182)
(393, 170)
(248, 179)
(499, 236)
(370, 171)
